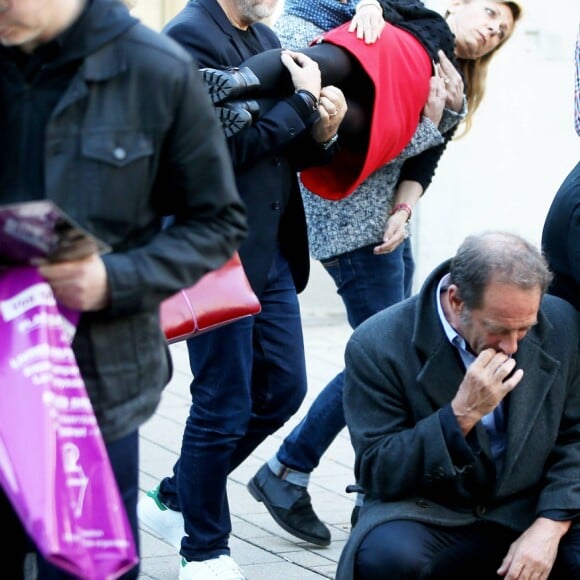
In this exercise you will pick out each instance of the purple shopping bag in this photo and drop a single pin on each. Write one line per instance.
(53, 463)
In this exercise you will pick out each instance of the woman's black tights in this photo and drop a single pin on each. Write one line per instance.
(335, 63)
(337, 67)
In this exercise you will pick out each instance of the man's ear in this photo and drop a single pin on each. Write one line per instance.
(455, 301)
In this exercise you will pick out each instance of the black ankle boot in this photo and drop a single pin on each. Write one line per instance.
(237, 115)
(230, 84)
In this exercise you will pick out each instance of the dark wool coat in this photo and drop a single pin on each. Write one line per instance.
(561, 239)
(401, 371)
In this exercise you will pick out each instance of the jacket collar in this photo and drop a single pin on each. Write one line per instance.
(232, 33)
(217, 13)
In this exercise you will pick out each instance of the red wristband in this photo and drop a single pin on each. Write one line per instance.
(402, 207)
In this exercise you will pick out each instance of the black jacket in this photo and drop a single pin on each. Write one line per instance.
(133, 138)
(267, 155)
(561, 239)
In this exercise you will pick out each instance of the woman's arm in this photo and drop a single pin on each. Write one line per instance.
(396, 230)
(411, 188)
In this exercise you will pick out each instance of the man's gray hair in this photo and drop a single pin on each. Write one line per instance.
(500, 257)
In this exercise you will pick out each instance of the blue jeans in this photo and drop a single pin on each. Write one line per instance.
(124, 458)
(249, 379)
(367, 284)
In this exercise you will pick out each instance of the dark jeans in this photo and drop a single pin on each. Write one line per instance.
(124, 458)
(367, 284)
(250, 378)
(400, 550)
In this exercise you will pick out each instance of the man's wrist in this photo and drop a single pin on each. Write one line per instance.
(308, 98)
(558, 527)
(328, 144)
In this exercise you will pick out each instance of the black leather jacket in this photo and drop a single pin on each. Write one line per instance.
(134, 138)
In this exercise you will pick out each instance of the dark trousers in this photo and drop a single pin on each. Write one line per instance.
(366, 283)
(124, 458)
(404, 549)
(249, 379)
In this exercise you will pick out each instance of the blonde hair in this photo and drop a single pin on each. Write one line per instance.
(475, 71)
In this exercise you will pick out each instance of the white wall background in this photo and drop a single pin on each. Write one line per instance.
(505, 172)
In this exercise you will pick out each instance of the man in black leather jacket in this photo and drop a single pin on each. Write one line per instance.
(111, 121)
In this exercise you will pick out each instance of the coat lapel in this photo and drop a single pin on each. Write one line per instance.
(230, 32)
(442, 371)
(526, 405)
(441, 375)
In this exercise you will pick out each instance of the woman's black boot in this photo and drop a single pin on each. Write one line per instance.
(230, 84)
(237, 115)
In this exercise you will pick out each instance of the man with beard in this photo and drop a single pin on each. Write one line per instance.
(463, 406)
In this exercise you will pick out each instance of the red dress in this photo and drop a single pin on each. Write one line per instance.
(400, 69)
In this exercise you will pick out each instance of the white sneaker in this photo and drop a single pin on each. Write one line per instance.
(220, 568)
(165, 523)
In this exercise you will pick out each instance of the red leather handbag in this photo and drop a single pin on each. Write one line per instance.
(220, 297)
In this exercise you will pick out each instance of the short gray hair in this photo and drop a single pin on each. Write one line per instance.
(499, 256)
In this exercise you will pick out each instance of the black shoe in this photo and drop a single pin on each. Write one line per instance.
(360, 493)
(290, 506)
(237, 115)
(354, 516)
(230, 84)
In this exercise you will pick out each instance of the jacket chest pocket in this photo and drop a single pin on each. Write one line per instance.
(118, 173)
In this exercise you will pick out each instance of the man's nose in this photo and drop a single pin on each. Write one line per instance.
(509, 343)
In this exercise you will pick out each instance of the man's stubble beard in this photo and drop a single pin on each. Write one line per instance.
(256, 12)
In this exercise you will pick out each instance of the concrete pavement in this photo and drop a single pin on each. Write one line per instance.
(258, 544)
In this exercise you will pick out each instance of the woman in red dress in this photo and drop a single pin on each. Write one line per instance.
(386, 82)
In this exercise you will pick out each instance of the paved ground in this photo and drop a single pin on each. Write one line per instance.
(258, 544)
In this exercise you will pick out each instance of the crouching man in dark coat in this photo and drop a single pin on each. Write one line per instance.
(463, 405)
